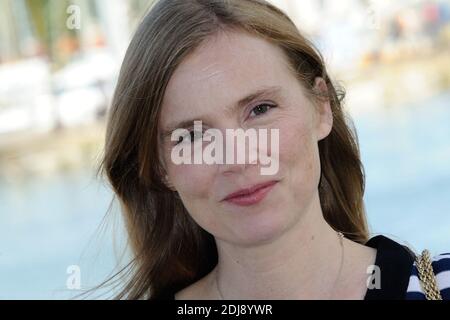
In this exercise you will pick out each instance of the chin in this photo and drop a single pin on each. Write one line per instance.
(261, 228)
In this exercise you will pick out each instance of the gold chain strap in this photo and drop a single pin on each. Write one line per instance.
(427, 277)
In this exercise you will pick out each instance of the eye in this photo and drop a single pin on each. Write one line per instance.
(193, 135)
(261, 109)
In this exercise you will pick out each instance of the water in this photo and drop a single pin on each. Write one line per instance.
(406, 154)
(48, 224)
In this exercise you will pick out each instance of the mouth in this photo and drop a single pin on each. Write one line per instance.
(252, 195)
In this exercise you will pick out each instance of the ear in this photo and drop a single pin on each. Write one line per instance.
(165, 178)
(168, 183)
(324, 114)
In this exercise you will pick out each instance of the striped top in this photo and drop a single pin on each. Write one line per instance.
(441, 268)
(399, 274)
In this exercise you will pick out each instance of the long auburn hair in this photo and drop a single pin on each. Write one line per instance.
(170, 251)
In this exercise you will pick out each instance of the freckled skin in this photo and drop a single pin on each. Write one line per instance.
(219, 73)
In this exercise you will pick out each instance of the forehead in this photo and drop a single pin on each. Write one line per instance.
(222, 70)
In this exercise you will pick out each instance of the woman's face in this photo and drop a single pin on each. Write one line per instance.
(207, 86)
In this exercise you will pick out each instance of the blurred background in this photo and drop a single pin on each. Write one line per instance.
(59, 61)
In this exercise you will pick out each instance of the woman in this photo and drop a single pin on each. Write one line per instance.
(224, 230)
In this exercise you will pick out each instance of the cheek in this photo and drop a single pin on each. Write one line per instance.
(194, 184)
(299, 157)
(191, 181)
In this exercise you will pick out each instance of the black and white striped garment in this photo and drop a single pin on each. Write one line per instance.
(399, 276)
(441, 268)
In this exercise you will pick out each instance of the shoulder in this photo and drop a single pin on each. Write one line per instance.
(441, 268)
(393, 262)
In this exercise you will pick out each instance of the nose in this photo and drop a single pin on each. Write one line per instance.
(230, 169)
(239, 146)
(238, 155)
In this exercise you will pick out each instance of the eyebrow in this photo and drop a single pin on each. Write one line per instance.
(260, 93)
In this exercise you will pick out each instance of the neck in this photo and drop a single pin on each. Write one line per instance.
(303, 263)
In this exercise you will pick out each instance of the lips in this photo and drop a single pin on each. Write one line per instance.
(252, 195)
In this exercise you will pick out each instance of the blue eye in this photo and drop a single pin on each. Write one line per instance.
(192, 136)
(261, 109)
